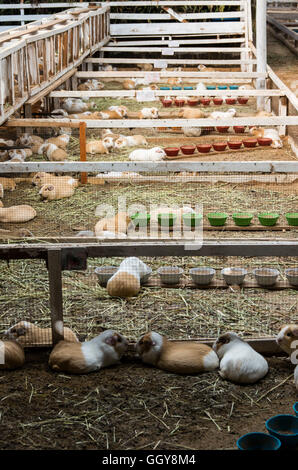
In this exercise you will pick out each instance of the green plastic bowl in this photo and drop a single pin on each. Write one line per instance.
(268, 218)
(242, 219)
(166, 219)
(217, 219)
(140, 219)
(192, 220)
(292, 218)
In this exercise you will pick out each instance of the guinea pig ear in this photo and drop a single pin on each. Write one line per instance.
(50, 187)
(111, 340)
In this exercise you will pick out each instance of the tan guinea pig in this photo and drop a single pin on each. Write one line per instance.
(11, 355)
(287, 338)
(52, 192)
(15, 214)
(180, 357)
(104, 350)
(8, 183)
(118, 223)
(189, 113)
(96, 146)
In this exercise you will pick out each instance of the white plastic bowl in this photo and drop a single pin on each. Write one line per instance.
(202, 276)
(170, 274)
(234, 275)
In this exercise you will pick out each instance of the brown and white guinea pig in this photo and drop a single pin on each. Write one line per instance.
(287, 338)
(148, 113)
(16, 214)
(111, 114)
(104, 350)
(116, 224)
(181, 357)
(130, 141)
(8, 183)
(27, 139)
(239, 362)
(174, 81)
(41, 178)
(145, 67)
(60, 141)
(190, 113)
(11, 355)
(97, 146)
(54, 153)
(26, 333)
(126, 282)
(53, 192)
(121, 110)
(129, 84)
(268, 133)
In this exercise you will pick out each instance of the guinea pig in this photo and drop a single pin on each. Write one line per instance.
(129, 84)
(8, 183)
(239, 362)
(191, 113)
(41, 178)
(287, 337)
(104, 350)
(97, 146)
(223, 115)
(26, 333)
(61, 141)
(121, 110)
(181, 357)
(126, 282)
(116, 224)
(52, 192)
(54, 153)
(154, 155)
(11, 355)
(16, 214)
(148, 113)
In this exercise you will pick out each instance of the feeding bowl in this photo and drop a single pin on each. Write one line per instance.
(165, 88)
(239, 129)
(250, 143)
(171, 151)
(188, 88)
(268, 219)
(192, 219)
(235, 144)
(233, 275)
(176, 87)
(166, 219)
(265, 276)
(233, 87)
(188, 149)
(211, 87)
(140, 219)
(167, 103)
(220, 146)
(242, 100)
(258, 441)
(202, 276)
(204, 148)
(104, 273)
(179, 103)
(222, 129)
(285, 428)
(217, 219)
(292, 218)
(193, 102)
(295, 408)
(217, 101)
(242, 219)
(205, 101)
(146, 276)
(170, 274)
(292, 276)
(264, 141)
(230, 100)
(222, 87)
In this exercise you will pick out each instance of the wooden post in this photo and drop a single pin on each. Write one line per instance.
(282, 111)
(56, 300)
(83, 158)
(261, 32)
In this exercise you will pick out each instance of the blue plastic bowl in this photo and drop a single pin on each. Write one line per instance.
(285, 428)
(258, 441)
(295, 408)
(233, 87)
(188, 88)
(211, 87)
(222, 87)
(176, 88)
(165, 88)
(231, 19)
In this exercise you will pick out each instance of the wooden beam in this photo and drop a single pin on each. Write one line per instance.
(51, 87)
(261, 47)
(55, 288)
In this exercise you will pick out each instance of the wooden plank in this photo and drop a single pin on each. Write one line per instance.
(152, 3)
(165, 74)
(150, 43)
(121, 60)
(55, 289)
(51, 87)
(152, 167)
(186, 93)
(186, 50)
(183, 16)
(141, 29)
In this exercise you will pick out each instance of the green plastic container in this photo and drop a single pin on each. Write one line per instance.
(268, 219)
(141, 219)
(217, 219)
(292, 218)
(242, 219)
(192, 220)
(166, 219)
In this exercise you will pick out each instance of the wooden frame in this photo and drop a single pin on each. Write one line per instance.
(282, 23)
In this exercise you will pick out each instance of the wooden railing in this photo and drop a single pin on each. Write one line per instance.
(33, 57)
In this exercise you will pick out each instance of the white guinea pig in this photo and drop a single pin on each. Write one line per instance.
(181, 357)
(104, 350)
(239, 362)
(148, 113)
(154, 155)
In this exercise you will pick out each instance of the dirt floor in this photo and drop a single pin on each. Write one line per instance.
(132, 406)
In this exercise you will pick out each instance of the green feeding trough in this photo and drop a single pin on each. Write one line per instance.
(192, 219)
(292, 218)
(268, 219)
(242, 219)
(217, 219)
(166, 219)
(141, 219)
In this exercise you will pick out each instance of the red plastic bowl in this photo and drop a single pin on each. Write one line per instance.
(230, 100)
(242, 100)
(222, 129)
(193, 102)
(235, 145)
(239, 129)
(249, 143)
(188, 149)
(172, 151)
(179, 103)
(220, 146)
(217, 101)
(264, 141)
(204, 148)
(205, 101)
(167, 103)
